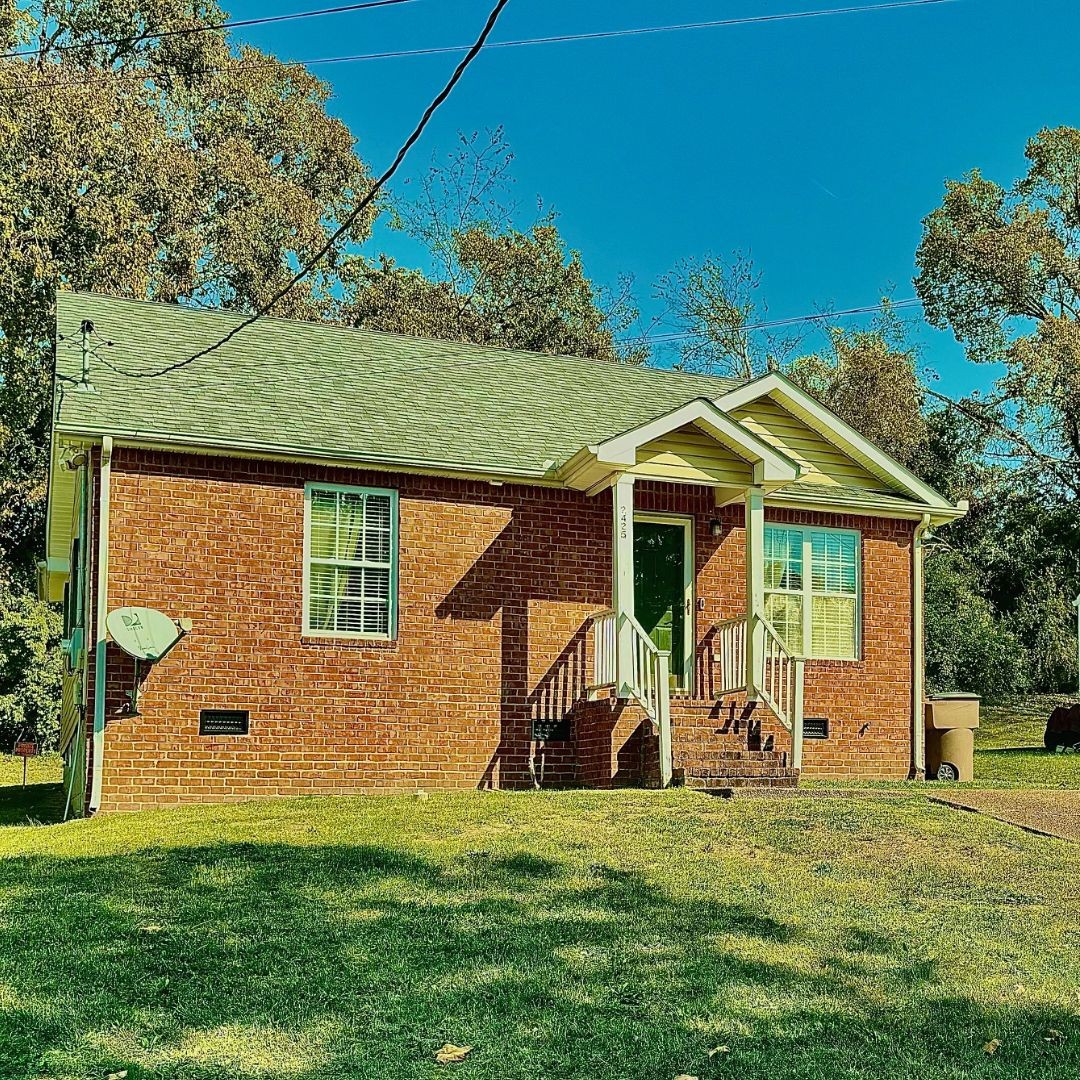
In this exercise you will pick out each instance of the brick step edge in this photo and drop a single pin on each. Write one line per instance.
(695, 756)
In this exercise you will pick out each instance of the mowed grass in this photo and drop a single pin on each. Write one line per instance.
(1009, 749)
(42, 800)
(600, 936)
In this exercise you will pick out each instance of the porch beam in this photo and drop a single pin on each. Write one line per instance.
(622, 592)
(755, 589)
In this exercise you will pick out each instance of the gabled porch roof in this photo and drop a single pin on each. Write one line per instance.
(894, 476)
(594, 467)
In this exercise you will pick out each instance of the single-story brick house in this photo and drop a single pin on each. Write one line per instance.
(414, 564)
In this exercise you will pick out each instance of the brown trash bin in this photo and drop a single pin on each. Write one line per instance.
(950, 721)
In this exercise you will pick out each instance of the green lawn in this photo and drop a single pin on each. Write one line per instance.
(1009, 749)
(41, 800)
(617, 936)
(587, 935)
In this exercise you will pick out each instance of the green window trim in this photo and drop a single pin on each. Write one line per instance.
(813, 590)
(350, 562)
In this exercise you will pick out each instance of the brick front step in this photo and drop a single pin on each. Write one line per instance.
(694, 756)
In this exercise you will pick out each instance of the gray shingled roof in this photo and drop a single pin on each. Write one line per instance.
(322, 390)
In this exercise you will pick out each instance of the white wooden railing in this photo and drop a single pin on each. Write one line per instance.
(781, 687)
(648, 681)
(779, 682)
(729, 656)
(605, 650)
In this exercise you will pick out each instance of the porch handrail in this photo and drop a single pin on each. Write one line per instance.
(648, 681)
(780, 680)
(781, 686)
(605, 650)
(729, 651)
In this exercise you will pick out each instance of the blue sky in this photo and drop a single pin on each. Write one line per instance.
(818, 145)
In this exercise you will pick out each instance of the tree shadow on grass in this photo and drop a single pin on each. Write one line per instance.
(35, 804)
(341, 961)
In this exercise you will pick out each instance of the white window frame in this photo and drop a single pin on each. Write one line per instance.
(392, 620)
(808, 592)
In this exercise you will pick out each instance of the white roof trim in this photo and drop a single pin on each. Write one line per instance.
(771, 465)
(841, 434)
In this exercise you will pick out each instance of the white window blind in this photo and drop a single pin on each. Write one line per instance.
(351, 561)
(816, 613)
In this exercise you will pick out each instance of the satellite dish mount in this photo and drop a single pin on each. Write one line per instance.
(146, 634)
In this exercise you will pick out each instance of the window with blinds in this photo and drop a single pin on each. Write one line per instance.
(351, 562)
(812, 590)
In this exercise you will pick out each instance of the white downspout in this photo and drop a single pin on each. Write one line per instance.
(100, 642)
(918, 651)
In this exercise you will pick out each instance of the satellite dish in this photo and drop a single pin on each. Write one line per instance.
(145, 633)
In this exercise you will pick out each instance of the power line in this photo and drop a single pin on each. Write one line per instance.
(823, 316)
(558, 39)
(203, 28)
(143, 75)
(354, 214)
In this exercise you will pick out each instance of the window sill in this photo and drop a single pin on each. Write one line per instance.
(335, 641)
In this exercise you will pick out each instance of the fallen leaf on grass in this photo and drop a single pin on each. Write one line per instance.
(685, 1076)
(719, 1050)
(1053, 1035)
(993, 1046)
(153, 928)
(117, 1075)
(451, 1053)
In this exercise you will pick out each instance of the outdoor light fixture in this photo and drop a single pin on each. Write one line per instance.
(715, 527)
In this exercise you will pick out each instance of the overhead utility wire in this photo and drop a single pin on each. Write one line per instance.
(401, 54)
(598, 35)
(353, 215)
(203, 28)
(823, 316)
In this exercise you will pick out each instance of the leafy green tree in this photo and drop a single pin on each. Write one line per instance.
(30, 668)
(715, 308)
(1001, 268)
(968, 646)
(487, 282)
(869, 379)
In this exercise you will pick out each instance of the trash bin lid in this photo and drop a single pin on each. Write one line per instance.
(955, 697)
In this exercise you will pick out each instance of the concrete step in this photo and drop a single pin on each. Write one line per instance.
(720, 784)
(712, 772)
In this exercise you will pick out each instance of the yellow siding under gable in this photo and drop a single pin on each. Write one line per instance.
(691, 454)
(823, 462)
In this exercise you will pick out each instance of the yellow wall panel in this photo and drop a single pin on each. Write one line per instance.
(823, 462)
(691, 454)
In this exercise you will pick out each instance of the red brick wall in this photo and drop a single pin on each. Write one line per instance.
(867, 701)
(496, 588)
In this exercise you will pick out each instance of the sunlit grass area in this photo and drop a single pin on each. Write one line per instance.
(624, 935)
(1009, 747)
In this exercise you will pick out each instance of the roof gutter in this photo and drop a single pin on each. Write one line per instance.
(179, 444)
(100, 634)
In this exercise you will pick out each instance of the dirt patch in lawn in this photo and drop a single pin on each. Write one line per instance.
(1053, 813)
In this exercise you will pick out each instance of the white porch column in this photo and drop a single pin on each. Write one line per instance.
(755, 589)
(622, 591)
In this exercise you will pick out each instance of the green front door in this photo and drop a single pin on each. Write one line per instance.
(660, 588)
